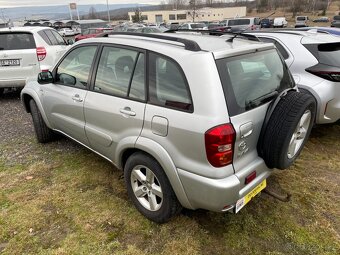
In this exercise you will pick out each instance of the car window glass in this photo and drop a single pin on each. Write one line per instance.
(137, 89)
(60, 40)
(167, 84)
(16, 41)
(75, 68)
(51, 37)
(44, 37)
(278, 45)
(115, 70)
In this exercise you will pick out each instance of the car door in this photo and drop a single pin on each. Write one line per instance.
(63, 100)
(114, 107)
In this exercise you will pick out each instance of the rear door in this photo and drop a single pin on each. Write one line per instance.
(18, 56)
(114, 108)
(250, 83)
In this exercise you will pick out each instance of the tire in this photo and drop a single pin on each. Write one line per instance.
(156, 198)
(288, 129)
(42, 132)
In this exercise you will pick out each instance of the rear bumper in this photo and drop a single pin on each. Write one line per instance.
(17, 83)
(216, 194)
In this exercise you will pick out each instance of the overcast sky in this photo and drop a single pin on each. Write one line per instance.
(21, 3)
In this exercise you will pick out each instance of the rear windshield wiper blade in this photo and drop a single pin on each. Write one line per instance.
(250, 104)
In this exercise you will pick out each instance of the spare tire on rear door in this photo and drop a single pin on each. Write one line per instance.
(287, 130)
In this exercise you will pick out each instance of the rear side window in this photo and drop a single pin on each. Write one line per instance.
(16, 41)
(278, 45)
(167, 85)
(252, 79)
(52, 37)
(45, 37)
(327, 53)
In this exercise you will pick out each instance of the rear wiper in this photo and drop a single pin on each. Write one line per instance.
(250, 104)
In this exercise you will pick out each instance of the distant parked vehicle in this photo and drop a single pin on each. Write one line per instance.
(239, 24)
(193, 26)
(301, 21)
(280, 22)
(321, 19)
(267, 23)
(66, 32)
(25, 51)
(91, 32)
(336, 21)
(327, 30)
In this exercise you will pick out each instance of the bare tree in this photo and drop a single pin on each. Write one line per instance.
(92, 13)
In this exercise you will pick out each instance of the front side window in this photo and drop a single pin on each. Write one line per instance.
(252, 79)
(75, 68)
(167, 85)
(115, 71)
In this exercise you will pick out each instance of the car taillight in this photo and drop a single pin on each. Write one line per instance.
(41, 53)
(219, 145)
(328, 75)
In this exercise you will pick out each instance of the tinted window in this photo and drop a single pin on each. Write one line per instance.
(327, 53)
(237, 22)
(301, 18)
(278, 45)
(195, 26)
(51, 37)
(250, 80)
(16, 41)
(167, 84)
(137, 89)
(60, 40)
(75, 68)
(44, 37)
(115, 71)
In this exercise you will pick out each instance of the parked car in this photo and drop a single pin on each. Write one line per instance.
(267, 23)
(301, 21)
(280, 22)
(25, 51)
(336, 21)
(151, 30)
(321, 19)
(183, 138)
(193, 26)
(327, 30)
(314, 60)
(242, 24)
(66, 32)
(91, 32)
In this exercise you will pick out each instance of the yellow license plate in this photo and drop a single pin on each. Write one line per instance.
(245, 200)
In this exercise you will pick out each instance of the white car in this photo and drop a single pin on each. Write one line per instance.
(26, 51)
(193, 26)
(66, 32)
(280, 22)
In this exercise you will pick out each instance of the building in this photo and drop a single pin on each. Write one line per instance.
(3, 23)
(180, 16)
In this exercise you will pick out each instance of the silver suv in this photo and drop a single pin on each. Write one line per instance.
(193, 121)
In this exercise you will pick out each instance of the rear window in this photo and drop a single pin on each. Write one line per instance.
(238, 22)
(252, 79)
(301, 18)
(327, 53)
(16, 41)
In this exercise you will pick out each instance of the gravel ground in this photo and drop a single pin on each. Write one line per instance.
(17, 137)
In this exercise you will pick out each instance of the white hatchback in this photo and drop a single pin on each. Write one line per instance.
(26, 51)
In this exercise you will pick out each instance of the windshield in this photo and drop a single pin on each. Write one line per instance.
(252, 77)
(195, 26)
(237, 22)
(326, 53)
(301, 18)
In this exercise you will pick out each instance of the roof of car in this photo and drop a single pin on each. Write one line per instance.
(24, 29)
(204, 42)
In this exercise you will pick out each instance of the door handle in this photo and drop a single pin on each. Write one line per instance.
(127, 111)
(77, 98)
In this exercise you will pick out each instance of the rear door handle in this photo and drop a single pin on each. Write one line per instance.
(77, 98)
(127, 111)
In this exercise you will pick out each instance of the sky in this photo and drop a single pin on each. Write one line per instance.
(22, 3)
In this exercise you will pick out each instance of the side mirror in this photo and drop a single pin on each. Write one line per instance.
(70, 42)
(45, 77)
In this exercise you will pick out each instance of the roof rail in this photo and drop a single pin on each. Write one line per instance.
(188, 44)
(218, 33)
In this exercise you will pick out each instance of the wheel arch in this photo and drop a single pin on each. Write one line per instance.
(158, 153)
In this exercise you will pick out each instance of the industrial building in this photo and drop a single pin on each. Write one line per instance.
(180, 16)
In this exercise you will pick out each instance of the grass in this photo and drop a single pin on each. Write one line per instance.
(74, 202)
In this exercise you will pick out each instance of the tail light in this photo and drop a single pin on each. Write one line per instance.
(219, 145)
(41, 53)
(328, 75)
